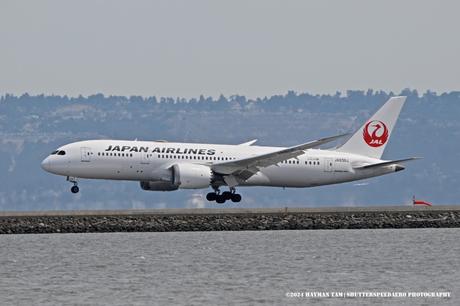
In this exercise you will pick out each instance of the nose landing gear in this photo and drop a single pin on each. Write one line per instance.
(74, 188)
(224, 196)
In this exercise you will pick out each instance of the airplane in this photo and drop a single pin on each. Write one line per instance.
(167, 166)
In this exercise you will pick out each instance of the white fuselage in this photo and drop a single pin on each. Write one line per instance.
(149, 161)
(167, 166)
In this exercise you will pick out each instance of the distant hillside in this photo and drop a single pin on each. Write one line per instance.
(33, 126)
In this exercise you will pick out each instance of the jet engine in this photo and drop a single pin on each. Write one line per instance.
(191, 176)
(161, 179)
(158, 186)
(186, 176)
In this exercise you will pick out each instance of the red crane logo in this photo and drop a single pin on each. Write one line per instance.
(375, 133)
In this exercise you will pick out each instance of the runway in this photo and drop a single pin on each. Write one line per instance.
(228, 219)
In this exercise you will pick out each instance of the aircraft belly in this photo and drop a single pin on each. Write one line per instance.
(110, 170)
(297, 177)
(280, 177)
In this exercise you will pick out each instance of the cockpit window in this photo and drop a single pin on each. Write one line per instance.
(61, 153)
(54, 152)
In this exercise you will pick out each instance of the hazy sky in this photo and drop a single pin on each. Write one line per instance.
(254, 48)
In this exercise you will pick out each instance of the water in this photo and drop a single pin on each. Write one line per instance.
(221, 268)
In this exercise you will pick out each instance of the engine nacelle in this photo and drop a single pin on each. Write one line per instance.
(158, 186)
(191, 176)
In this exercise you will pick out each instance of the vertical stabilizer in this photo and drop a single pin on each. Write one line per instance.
(373, 136)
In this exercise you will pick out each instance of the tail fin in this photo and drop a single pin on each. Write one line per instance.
(372, 138)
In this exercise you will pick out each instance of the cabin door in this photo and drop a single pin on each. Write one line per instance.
(85, 154)
(328, 164)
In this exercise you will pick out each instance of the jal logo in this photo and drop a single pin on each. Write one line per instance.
(375, 133)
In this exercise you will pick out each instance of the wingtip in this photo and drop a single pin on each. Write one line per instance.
(341, 135)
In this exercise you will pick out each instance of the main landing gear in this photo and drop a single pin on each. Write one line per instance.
(224, 196)
(74, 188)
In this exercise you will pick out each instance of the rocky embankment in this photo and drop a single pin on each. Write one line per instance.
(225, 220)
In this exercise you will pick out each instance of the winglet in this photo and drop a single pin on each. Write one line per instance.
(330, 139)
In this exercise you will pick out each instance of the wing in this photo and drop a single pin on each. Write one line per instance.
(243, 169)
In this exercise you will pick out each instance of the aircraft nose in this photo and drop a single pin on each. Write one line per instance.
(46, 164)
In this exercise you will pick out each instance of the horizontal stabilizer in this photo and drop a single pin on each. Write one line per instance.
(386, 163)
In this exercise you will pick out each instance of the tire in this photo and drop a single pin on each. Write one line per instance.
(220, 199)
(211, 196)
(236, 197)
(74, 189)
(227, 195)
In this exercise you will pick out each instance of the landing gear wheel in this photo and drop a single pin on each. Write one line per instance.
(212, 196)
(227, 195)
(220, 199)
(236, 197)
(75, 189)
